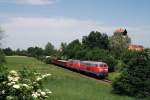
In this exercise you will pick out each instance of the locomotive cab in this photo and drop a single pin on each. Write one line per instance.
(103, 69)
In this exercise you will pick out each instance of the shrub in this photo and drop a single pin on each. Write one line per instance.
(120, 65)
(23, 85)
(128, 55)
(135, 79)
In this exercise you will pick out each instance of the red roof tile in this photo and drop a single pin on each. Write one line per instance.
(120, 30)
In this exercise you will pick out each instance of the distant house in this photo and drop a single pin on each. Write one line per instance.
(135, 47)
(121, 31)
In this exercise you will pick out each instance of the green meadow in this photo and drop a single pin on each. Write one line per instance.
(65, 84)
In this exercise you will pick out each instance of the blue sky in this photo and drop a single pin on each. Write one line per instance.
(35, 22)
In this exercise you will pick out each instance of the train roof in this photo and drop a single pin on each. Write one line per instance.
(93, 62)
(63, 60)
(73, 60)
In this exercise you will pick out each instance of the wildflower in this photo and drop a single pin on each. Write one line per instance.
(11, 78)
(38, 78)
(34, 95)
(4, 82)
(16, 86)
(37, 94)
(3, 91)
(43, 93)
(37, 73)
(10, 98)
(13, 72)
(11, 83)
(15, 79)
(46, 75)
(39, 90)
(48, 91)
(26, 86)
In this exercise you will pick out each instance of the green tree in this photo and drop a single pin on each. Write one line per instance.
(63, 48)
(21, 52)
(119, 43)
(96, 40)
(35, 52)
(8, 51)
(135, 78)
(128, 55)
(103, 56)
(81, 54)
(63, 51)
(73, 48)
(49, 49)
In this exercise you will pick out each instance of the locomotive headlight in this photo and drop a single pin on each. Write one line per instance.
(99, 69)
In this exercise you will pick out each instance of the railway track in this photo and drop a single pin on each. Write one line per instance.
(94, 77)
(97, 79)
(85, 75)
(108, 81)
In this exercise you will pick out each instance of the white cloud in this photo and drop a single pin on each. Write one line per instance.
(31, 2)
(23, 32)
(36, 2)
(32, 31)
(43, 22)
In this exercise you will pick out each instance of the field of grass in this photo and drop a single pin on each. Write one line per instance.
(65, 84)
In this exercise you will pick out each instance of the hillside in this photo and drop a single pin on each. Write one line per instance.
(65, 84)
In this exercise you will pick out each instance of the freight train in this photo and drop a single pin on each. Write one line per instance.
(100, 69)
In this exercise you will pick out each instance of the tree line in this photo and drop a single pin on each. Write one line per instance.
(36, 51)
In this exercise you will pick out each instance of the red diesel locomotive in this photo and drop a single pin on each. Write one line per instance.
(99, 69)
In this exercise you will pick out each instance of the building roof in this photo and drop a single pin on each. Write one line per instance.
(136, 46)
(121, 30)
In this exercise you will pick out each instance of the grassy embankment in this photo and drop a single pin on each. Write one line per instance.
(65, 84)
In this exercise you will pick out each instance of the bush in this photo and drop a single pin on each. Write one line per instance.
(120, 65)
(135, 79)
(23, 85)
(128, 55)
